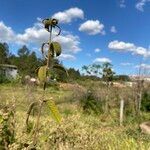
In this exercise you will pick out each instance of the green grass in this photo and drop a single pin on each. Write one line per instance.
(77, 130)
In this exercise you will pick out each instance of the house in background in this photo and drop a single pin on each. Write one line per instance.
(9, 71)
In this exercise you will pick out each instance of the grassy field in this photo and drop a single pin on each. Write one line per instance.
(77, 130)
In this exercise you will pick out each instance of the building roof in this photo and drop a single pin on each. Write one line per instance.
(8, 66)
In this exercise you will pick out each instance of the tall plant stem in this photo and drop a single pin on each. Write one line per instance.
(49, 52)
(38, 120)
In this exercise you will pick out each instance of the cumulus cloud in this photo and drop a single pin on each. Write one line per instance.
(68, 15)
(36, 35)
(128, 47)
(113, 29)
(97, 50)
(67, 57)
(33, 35)
(140, 5)
(102, 60)
(69, 42)
(121, 45)
(92, 27)
(6, 33)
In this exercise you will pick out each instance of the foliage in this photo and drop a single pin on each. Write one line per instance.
(4, 79)
(7, 134)
(145, 106)
(42, 73)
(26, 61)
(94, 69)
(74, 74)
(54, 110)
(91, 104)
(121, 78)
(107, 73)
(4, 53)
(59, 72)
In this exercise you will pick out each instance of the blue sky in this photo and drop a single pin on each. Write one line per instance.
(93, 31)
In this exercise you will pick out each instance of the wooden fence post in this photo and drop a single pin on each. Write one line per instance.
(121, 111)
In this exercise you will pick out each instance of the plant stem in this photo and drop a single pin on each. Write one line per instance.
(38, 120)
(49, 51)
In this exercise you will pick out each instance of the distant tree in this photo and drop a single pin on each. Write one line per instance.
(107, 73)
(73, 74)
(26, 62)
(122, 78)
(58, 72)
(14, 60)
(107, 76)
(23, 52)
(4, 53)
(92, 70)
(23, 61)
(34, 63)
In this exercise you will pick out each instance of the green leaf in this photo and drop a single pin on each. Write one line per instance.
(60, 67)
(54, 110)
(42, 73)
(1, 119)
(56, 47)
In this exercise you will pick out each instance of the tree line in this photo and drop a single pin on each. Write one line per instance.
(27, 63)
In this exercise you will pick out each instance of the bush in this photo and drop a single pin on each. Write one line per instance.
(4, 79)
(7, 135)
(146, 101)
(91, 104)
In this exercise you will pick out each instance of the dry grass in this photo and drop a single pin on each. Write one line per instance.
(77, 131)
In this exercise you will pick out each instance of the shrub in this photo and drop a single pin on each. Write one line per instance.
(7, 135)
(146, 101)
(4, 79)
(91, 104)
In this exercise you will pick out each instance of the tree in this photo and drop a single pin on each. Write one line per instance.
(73, 74)
(122, 77)
(33, 64)
(59, 72)
(24, 51)
(107, 73)
(107, 76)
(92, 70)
(26, 61)
(4, 53)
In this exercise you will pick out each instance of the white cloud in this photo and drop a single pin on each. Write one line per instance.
(143, 66)
(68, 15)
(69, 43)
(113, 29)
(129, 47)
(140, 5)
(36, 35)
(97, 50)
(102, 60)
(33, 35)
(67, 57)
(122, 4)
(121, 45)
(92, 27)
(6, 33)
(126, 64)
